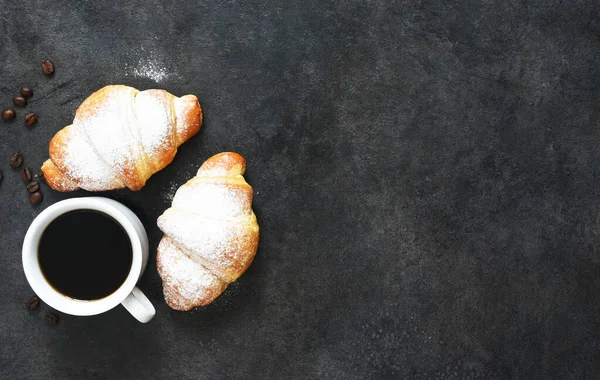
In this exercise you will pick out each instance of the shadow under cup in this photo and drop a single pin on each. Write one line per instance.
(50, 274)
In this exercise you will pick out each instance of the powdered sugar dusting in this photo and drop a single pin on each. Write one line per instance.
(108, 126)
(211, 223)
(213, 199)
(56, 178)
(153, 113)
(155, 125)
(209, 218)
(119, 137)
(84, 167)
(186, 283)
(207, 240)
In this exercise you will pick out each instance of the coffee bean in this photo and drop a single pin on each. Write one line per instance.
(36, 198)
(19, 101)
(26, 175)
(51, 319)
(33, 303)
(33, 187)
(47, 67)
(8, 114)
(15, 160)
(26, 92)
(30, 119)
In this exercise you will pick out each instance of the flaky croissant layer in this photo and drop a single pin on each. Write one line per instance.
(119, 138)
(211, 233)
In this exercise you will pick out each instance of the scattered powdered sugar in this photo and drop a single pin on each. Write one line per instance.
(167, 194)
(151, 69)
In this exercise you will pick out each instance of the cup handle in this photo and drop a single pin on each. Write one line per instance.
(139, 306)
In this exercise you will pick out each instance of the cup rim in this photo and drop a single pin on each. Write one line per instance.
(38, 282)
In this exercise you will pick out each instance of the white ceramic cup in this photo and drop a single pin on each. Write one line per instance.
(127, 294)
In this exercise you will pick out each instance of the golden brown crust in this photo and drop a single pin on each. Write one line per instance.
(56, 179)
(188, 118)
(136, 164)
(228, 164)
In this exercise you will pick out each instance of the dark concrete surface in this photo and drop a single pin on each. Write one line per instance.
(425, 175)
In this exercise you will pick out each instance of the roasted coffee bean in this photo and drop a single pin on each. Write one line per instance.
(51, 319)
(36, 198)
(30, 119)
(33, 303)
(15, 160)
(47, 67)
(26, 92)
(26, 175)
(8, 114)
(33, 187)
(19, 101)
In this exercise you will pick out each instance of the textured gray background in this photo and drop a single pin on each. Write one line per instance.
(425, 174)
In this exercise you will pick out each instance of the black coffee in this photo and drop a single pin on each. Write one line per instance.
(85, 254)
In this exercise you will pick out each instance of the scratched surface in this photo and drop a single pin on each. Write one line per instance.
(425, 181)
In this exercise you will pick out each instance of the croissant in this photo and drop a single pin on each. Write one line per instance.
(120, 137)
(210, 234)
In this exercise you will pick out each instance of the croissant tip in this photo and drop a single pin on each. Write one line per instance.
(230, 163)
